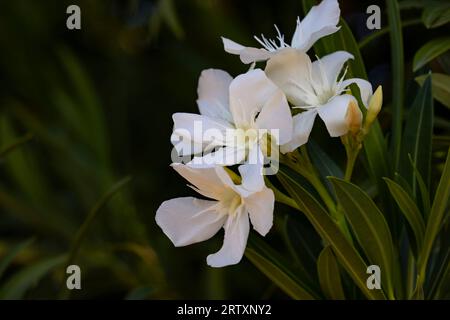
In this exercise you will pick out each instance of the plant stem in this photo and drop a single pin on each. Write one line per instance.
(280, 196)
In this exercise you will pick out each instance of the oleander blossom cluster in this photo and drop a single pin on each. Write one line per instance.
(247, 119)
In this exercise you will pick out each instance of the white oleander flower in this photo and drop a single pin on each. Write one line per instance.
(316, 88)
(233, 112)
(189, 220)
(320, 21)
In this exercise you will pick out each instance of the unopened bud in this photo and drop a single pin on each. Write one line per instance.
(375, 104)
(353, 118)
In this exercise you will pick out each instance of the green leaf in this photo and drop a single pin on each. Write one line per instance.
(425, 195)
(140, 293)
(430, 51)
(369, 227)
(16, 287)
(329, 277)
(418, 135)
(275, 268)
(324, 164)
(398, 70)
(436, 16)
(12, 254)
(330, 232)
(436, 217)
(409, 210)
(441, 87)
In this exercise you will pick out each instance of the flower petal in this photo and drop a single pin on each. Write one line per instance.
(276, 115)
(252, 177)
(188, 220)
(290, 70)
(331, 65)
(365, 89)
(303, 123)
(247, 54)
(231, 46)
(206, 180)
(333, 114)
(248, 94)
(236, 234)
(260, 207)
(213, 86)
(193, 132)
(320, 21)
(225, 156)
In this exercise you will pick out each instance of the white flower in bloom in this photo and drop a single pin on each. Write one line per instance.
(321, 21)
(315, 88)
(189, 220)
(232, 114)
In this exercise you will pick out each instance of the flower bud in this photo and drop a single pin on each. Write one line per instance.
(353, 118)
(374, 107)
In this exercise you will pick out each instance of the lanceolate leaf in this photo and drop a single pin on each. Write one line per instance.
(437, 213)
(437, 15)
(430, 51)
(272, 265)
(398, 69)
(418, 135)
(441, 87)
(21, 282)
(409, 210)
(329, 231)
(329, 277)
(369, 227)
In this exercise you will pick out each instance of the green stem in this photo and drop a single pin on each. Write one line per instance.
(280, 196)
(386, 30)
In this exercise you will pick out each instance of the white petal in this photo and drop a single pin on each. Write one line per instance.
(320, 21)
(290, 70)
(193, 132)
(250, 55)
(331, 65)
(247, 54)
(303, 123)
(213, 86)
(365, 89)
(206, 180)
(188, 220)
(248, 93)
(333, 114)
(260, 207)
(231, 46)
(236, 234)
(225, 156)
(252, 177)
(276, 115)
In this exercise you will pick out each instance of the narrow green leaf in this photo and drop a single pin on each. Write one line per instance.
(12, 254)
(436, 16)
(22, 281)
(430, 51)
(409, 210)
(418, 135)
(441, 87)
(437, 213)
(329, 277)
(398, 70)
(330, 232)
(273, 266)
(369, 227)
(425, 195)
